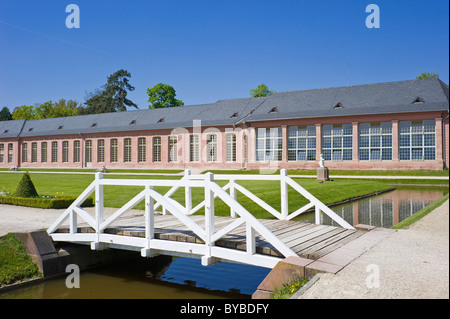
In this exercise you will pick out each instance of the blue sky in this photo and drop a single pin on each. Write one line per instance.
(210, 50)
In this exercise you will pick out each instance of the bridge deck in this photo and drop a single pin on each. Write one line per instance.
(307, 240)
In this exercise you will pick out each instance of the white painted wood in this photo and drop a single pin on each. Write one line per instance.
(233, 195)
(250, 240)
(86, 217)
(225, 230)
(133, 202)
(98, 201)
(258, 200)
(84, 195)
(149, 217)
(300, 211)
(73, 222)
(284, 194)
(317, 215)
(188, 193)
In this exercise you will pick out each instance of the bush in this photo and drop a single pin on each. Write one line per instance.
(26, 187)
(53, 203)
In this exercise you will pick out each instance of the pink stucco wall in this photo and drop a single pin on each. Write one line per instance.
(245, 152)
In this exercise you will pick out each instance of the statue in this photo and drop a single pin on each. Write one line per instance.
(321, 161)
(322, 171)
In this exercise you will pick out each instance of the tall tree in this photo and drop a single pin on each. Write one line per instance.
(24, 112)
(5, 114)
(113, 96)
(162, 95)
(426, 75)
(261, 91)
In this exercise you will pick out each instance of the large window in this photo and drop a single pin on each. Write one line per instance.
(269, 144)
(65, 154)
(10, 152)
(211, 147)
(375, 141)
(24, 152)
(100, 151)
(113, 150)
(173, 143)
(76, 151)
(44, 152)
(337, 142)
(157, 149)
(34, 152)
(230, 149)
(142, 149)
(417, 140)
(54, 152)
(302, 143)
(193, 148)
(88, 151)
(127, 150)
(2, 157)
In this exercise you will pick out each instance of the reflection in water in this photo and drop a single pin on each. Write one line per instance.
(141, 278)
(385, 210)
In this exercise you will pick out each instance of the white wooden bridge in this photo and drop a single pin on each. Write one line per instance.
(174, 230)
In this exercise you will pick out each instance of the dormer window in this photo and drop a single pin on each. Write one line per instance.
(6, 131)
(234, 115)
(133, 122)
(94, 125)
(338, 106)
(161, 120)
(30, 129)
(273, 110)
(60, 127)
(418, 100)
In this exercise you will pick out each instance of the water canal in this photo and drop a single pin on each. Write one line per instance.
(185, 278)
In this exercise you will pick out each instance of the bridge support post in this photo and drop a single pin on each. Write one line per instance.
(188, 193)
(209, 220)
(284, 194)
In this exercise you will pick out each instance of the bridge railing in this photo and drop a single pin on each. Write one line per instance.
(233, 186)
(207, 250)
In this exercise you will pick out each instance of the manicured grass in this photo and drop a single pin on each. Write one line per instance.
(344, 172)
(116, 196)
(91, 170)
(421, 213)
(15, 263)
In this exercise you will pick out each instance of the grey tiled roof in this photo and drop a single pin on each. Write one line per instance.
(382, 98)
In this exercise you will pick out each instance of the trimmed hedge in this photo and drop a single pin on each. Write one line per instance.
(60, 202)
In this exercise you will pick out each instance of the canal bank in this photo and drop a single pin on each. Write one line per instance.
(412, 263)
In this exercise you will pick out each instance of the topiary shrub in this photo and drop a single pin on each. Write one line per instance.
(26, 187)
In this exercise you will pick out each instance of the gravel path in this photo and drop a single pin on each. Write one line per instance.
(412, 263)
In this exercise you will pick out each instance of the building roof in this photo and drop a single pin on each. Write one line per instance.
(381, 98)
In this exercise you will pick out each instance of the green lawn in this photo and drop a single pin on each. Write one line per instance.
(116, 196)
(344, 172)
(15, 264)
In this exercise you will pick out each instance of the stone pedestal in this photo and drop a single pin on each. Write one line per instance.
(322, 174)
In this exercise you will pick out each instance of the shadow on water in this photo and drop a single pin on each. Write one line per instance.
(162, 277)
(384, 210)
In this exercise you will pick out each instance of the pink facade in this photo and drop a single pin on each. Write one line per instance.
(97, 150)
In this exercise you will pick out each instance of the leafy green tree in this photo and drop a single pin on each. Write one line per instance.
(24, 112)
(5, 114)
(425, 75)
(162, 95)
(58, 109)
(112, 97)
(261, 91)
